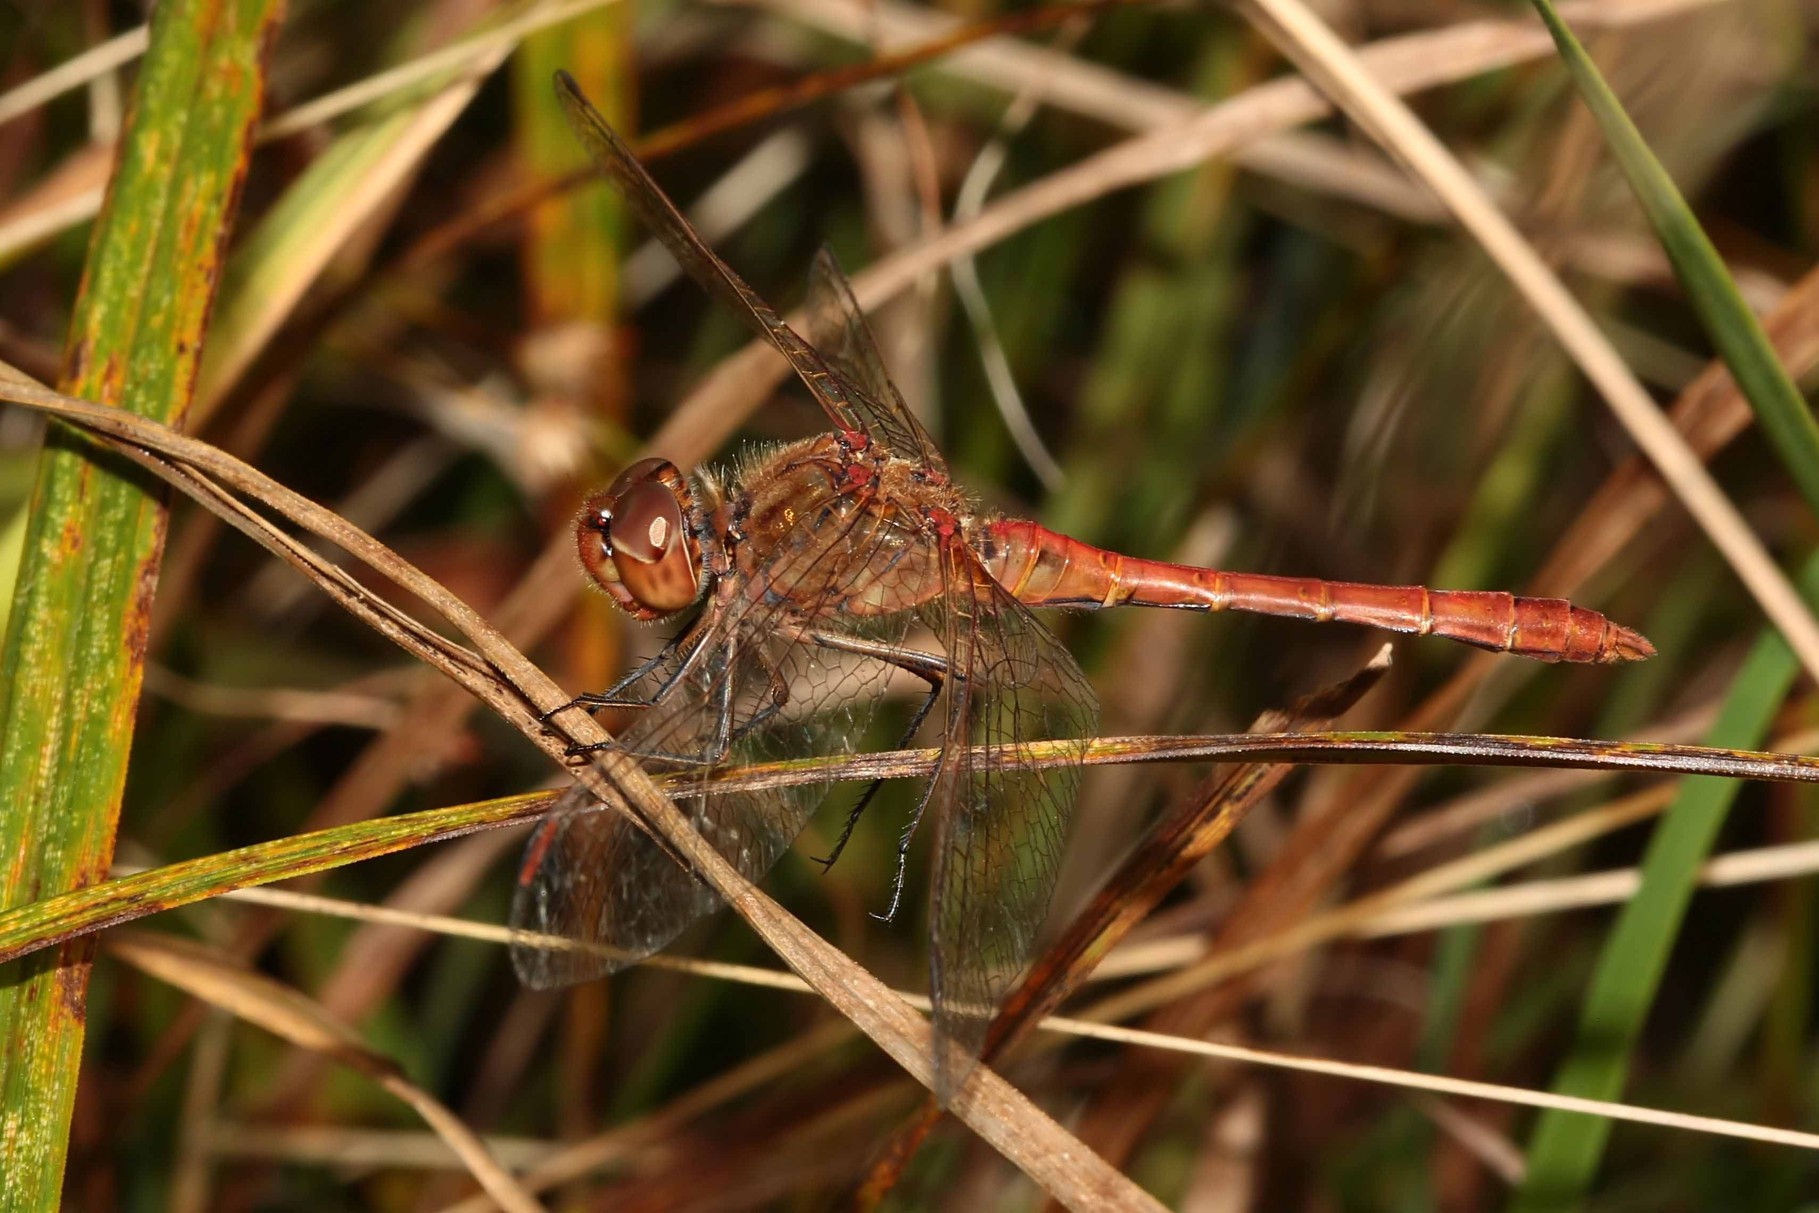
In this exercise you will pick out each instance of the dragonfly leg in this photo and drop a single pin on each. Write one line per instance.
(726, 733)
(697, 646)
(724, 728)
(903, 848)
(865, 797)
(926, 666)
(776, 699)
(909, 830)
(614, 696)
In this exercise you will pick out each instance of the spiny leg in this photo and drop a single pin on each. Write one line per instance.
(926, 666)
(903, 848)
(959, 678)
(613, 696)
(728, 731)
(697, 639)
(865, 797)
(776, 699)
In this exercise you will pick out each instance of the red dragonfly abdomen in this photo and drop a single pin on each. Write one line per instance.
(1044, 568)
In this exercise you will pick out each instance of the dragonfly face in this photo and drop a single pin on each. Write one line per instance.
(641, 540)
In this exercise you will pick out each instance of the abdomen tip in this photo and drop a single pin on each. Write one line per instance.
(1626, 644)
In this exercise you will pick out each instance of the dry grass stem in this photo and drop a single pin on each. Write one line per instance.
(73, 73)
(479, 53)
(212, 977)
(518, 691)
(1782, 863)
(1414, 1081)
(713, 410)
(1344, 75)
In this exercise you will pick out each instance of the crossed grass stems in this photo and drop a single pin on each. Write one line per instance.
(1339, 748)
(508, 683)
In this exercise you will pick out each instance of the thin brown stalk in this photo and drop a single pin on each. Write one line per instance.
(73, 73)
(1159, 863)
(1327, 843)
(710, 414)
(1735, 868)
(1344, 76)
(309, 707)
(754, 107)
(1466, 813)
(1411, 1080)
(345, 1149)
(209, 975)
(1226, 964)
(582, 1158)
(480, 52)
(201, 1098)
(375, 959)
(519, 692)
(1711, 412)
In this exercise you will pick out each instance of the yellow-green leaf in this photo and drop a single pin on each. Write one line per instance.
(74, 648)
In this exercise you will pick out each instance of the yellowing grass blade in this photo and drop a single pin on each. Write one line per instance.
(74, 647)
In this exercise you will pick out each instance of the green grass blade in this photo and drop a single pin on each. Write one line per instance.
(284, 254)
(295, 244)
(1565, 1148)
(571, 242)
(74, 648)
(25, 929)
(1733, 329)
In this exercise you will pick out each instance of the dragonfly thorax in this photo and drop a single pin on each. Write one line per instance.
(641, 540)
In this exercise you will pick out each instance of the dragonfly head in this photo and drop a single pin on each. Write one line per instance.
(641, 537)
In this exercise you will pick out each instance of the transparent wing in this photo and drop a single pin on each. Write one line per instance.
(837, 327)
(747, 684)
(667, 223)
(999, 830)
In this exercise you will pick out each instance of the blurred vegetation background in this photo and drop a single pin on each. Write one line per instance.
(1284, 360)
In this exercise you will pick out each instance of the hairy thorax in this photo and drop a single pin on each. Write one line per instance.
(825, 529)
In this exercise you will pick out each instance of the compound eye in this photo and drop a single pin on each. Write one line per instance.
(657, 564)
(636, 541)
(593, 542)
(645, 471)
(647, 523)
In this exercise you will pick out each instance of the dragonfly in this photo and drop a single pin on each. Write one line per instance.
(800, 580)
